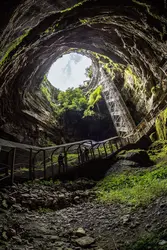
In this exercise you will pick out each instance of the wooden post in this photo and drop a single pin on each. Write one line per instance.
(8, 162)
(33, 169)
(105, 149)
(79, 156)
(33, 163)
(52, 165)
(65, 160)
(93, 153)
(12, 165)
(127, 142)
(99, 151)
(44, 164)
(92, 150)
(116, 145)
(30, 165)
(121, 144)
(110, 145)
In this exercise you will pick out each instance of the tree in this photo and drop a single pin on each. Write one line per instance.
(94, 97)
(89, 72)
(72, 99)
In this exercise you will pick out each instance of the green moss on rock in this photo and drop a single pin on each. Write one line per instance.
(73, 7)
(160, 125)
(12, 47)
(110, 67)
(153, 137)
(149, 240)
(134, 187)
(131, 79)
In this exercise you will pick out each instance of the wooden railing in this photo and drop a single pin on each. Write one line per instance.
(36, 162)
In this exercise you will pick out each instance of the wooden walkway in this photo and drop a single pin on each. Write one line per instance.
(33, 162)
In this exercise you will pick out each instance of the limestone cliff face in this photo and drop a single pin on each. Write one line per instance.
(35, 33)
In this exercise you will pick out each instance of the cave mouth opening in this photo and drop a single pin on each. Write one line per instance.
(70, 71)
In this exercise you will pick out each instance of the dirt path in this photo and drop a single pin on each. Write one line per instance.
(27, 224)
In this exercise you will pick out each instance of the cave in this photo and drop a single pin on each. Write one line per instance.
(126, 39)
(119, 116)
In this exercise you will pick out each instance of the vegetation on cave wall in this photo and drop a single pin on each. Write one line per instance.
(137, 186)
(160, 125)
(94, 97)
(110, 67)
(13, 46)
(128, 84)
(89, 72)
(79, 114)
(72, 99)
(50, 94)
(132, 80)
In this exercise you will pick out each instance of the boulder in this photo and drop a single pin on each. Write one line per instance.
(80, 232)
(139, 156)
(85, 241)
(162, 243)
(122, 165)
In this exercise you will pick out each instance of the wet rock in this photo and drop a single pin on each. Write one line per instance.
(17, 207)
(76, 199)
(17, 239)
(125, 219)
(11, 200)
(162, 243)
(138, 156)
(11, 232)
(54, 238)
(80, 232)
(122, 165)
(59, 243)
(85, 241)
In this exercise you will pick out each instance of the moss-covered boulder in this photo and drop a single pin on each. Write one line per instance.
(121, 166)
(138, 156)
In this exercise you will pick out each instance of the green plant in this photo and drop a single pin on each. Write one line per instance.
(89, 72)
(131, 79)
(72, 99)
(158, 151)
(43, 210)
(84, 21)
(24, 169)
(94, 97)
(160, 125)
(46, 92)
(149, 240)
(153, 137)
(13, 47)
(148, 8)
(109, 66)
(51, 29)
(134, 187)
(73, 7)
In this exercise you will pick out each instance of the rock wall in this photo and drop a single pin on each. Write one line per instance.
(35, 33)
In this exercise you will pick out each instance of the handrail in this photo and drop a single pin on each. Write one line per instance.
(140, 130)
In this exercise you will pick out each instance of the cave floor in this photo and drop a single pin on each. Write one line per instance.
(47, 217)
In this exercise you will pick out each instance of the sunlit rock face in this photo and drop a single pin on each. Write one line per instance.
(35, 33)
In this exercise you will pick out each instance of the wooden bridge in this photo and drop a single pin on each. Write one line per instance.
(31, 162)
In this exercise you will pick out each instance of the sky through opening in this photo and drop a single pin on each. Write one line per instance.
(69, 71)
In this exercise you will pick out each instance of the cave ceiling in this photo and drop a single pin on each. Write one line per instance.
(35, 33)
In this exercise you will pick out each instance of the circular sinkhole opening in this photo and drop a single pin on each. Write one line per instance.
(70, 71)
